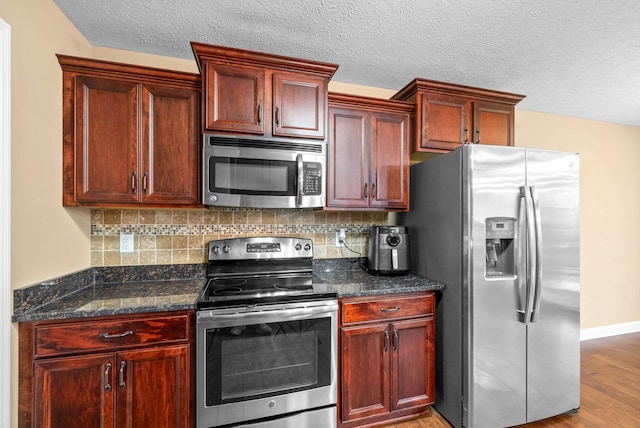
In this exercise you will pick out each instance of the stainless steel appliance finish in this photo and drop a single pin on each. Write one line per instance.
(266, 337)
(500, 227)
(263, 173)
(388, 252)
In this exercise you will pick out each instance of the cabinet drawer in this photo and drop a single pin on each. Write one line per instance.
(362, 310)
(74, 337)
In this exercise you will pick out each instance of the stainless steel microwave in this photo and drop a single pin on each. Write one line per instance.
(263, 173)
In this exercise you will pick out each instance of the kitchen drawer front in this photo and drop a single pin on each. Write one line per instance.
(360, 309)
(84, 336)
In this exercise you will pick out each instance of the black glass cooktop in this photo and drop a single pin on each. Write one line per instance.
(226, 291)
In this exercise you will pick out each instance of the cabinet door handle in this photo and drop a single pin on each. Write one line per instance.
(123, 364)
(396, 309)
(366, 188)
(386, 340)
(144, 182)
(259, 114)
(373, 190)
(396, 339)
(116, 335)
(278, 116)
(477, 137)
(133, 182)
(107, 386)
(466, 135)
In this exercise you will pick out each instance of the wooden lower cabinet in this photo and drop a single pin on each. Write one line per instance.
(387, 358)
(138, 378)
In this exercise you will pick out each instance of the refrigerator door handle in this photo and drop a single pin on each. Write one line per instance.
(538, 254)
(530, 273)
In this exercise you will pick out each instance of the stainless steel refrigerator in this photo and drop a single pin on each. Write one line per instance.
(499, 226)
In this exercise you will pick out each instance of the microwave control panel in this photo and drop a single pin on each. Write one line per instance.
(312, 178)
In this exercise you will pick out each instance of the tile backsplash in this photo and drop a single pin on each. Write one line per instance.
(180, 236)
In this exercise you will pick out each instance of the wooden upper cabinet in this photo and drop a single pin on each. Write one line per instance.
(234, 99)
(448, 115)
(368, 153)
(248, 92)
(131, 135)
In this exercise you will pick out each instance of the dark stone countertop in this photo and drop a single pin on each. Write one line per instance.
(125, 290)
(350, 280)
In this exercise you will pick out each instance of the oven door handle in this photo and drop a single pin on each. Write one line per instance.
(254, 315)
(300, 166)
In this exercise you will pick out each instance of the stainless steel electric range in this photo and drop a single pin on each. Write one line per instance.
(266, 337)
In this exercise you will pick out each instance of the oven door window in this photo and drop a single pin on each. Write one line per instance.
(252, 176)
(259, 360)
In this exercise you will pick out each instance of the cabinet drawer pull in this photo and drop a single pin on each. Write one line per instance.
(123, 364)
(113, 336)
(107, 387)
(386, 341)
(396, 309)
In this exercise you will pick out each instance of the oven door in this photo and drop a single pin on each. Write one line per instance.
(265, 362)
(263, 174)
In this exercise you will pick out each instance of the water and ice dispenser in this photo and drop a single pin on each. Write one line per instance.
(500, 260)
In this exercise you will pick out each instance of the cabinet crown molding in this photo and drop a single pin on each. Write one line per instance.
(227, 55)
(433, 86)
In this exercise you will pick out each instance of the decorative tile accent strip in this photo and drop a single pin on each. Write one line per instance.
(169, 237)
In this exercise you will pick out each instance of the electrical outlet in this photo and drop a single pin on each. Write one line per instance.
(126, 242)
(340, 236)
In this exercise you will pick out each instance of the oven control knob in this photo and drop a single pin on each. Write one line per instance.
(226, 248)
(216, 249)
(307, 247)
(298, 246)
(272, 403)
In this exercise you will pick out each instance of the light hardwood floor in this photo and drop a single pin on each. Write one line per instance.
(609, 389)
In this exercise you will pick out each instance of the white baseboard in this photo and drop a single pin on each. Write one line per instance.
(609, 330)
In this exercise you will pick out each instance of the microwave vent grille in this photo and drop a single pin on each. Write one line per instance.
(266, 144)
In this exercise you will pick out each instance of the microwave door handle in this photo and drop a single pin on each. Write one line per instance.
(300, 167)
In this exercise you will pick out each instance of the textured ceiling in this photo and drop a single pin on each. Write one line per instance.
(575, 57)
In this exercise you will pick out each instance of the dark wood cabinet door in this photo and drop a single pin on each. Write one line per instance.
(299, 105)
(170, 145)
(106, 140)
(365, 371)
(153, 387)
(493, 123)
(75, 392)
(446, 122)
(413, 365)
(235, 99)
(348, 158)
(389, 161)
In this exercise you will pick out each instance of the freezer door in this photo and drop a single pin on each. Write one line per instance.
(494, 338)
(554, 333)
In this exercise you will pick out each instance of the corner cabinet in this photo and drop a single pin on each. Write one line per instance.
(130, 371)
(248, 92)
(387, 358)
(131, 135)
(368, 153)
(448, 115)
